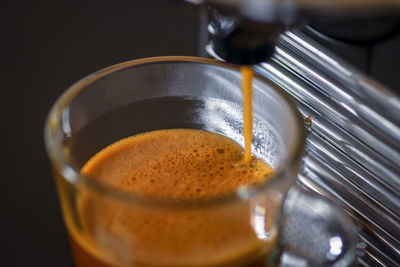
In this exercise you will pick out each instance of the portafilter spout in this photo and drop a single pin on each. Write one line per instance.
(246, 31)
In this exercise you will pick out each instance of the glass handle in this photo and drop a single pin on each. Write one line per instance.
(316, 232)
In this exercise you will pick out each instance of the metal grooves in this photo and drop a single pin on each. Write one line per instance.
(335, 134)
(373, 219)
(373, 256)
(353, 150)
(345, 116)
(354, 81)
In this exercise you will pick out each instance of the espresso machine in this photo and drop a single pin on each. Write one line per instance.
(353, 143)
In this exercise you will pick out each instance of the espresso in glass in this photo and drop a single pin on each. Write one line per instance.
(148, 157)
(180, 164)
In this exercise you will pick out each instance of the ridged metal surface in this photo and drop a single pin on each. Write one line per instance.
(353, 149)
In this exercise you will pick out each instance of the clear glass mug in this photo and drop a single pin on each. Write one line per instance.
(162, 93)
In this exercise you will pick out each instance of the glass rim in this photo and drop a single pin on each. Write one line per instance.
(54, 141)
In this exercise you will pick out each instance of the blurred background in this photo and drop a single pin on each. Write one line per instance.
(46, 46)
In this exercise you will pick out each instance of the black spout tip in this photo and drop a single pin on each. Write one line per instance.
(235, 52)
(242, 41)
(244, 45)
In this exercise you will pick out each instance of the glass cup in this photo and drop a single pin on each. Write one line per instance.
(165, 93)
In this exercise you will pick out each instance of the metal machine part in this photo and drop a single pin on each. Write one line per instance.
(353, 149)
(242, 41)
(245, 31)
(288, 11)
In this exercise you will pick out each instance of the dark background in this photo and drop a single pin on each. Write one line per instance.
(46, 46)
